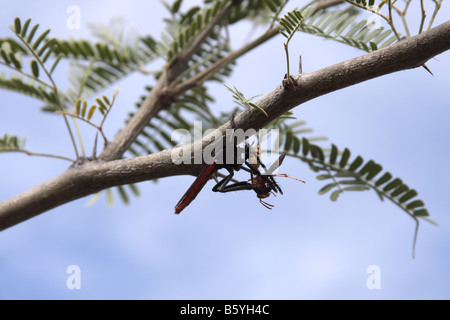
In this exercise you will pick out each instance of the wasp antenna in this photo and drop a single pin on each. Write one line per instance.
(286, 176)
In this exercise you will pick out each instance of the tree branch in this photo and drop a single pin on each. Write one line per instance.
(153, 104)
(407, 54)
(84, 178)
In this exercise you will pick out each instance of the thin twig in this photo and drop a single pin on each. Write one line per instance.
(54, 88)
(424, 15)
(41, 154)
(436, 9)
(73, 115)
(27, 75)
(205, 74)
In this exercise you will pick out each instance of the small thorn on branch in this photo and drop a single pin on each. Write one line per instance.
(426, 68)
(300, 69)
(94, 151)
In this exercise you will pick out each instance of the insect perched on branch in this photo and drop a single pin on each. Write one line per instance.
(263, 184)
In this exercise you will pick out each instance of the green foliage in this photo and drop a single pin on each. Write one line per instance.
(275, 6)
(181, 32)
(355, 175)
(337, 25)
(369, 3)
(255, 10)
(247, 9)
(96, 66)
(181, 29)
(157, 135)
(31, 88)
(343, 26)
(117, 56)
(387, 9)
(10, 143)
(291, 22)
(244, 102)
(343, 175)
(38, 49)
(82, 112)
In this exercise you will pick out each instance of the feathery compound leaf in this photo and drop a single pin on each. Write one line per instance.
(240, 99)
(31, 89)
(342, 178)
(99, 65)
(339, 26)
(291, 22)
(179, 36)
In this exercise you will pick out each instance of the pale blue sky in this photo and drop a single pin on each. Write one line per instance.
(227, 246)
